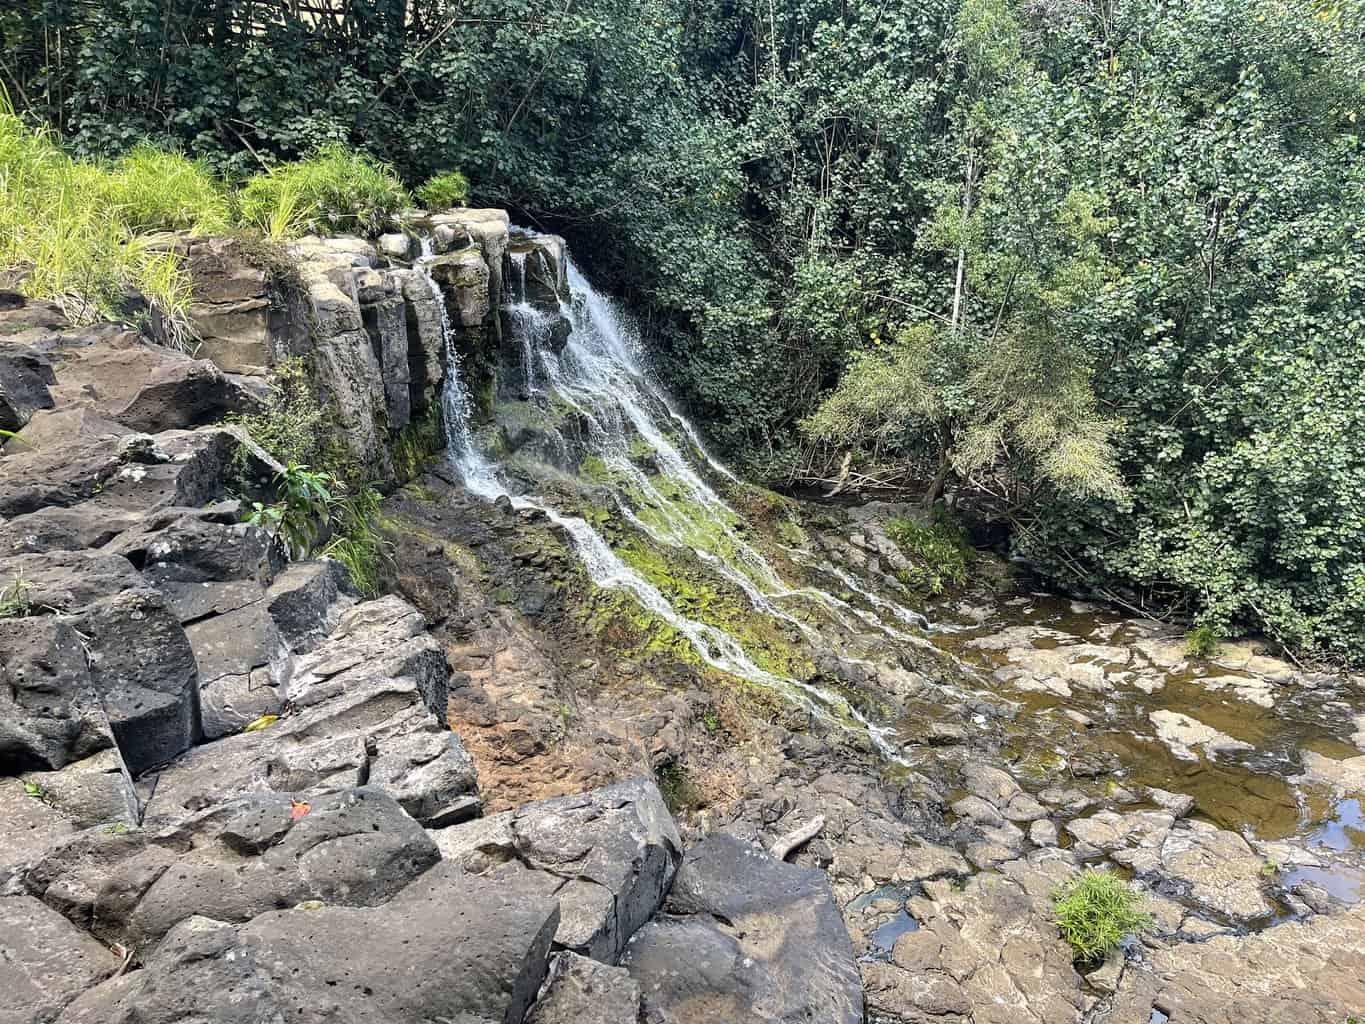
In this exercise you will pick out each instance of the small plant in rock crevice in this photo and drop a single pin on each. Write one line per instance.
(15, 599)
(302, 511)
(1203, 641)
(1095, 910)
(939, 554)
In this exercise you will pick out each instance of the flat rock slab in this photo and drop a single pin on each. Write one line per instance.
(45, 961)
(450, 947)
(1310, 972)
(986, 953)
(746, 938)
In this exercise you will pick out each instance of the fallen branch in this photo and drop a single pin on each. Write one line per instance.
(792, 841)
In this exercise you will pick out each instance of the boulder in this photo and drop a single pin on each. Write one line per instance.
(583, 991)
(307, 600)
(363, 710)
(24, 379)
(63, 529)
(181, 546)
(749, 938)
(264, 851)
(243, 664)
(608, 856)
(184, 393)
(50, 713)
(143, 667)
(449, 947)
(134, 472)
(45, 961)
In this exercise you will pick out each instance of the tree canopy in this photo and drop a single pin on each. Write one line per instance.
(1097, 267)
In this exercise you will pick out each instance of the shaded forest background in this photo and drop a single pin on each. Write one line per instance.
(1094, 269)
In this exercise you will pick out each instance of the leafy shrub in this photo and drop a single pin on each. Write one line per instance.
(334, 190)
(302, 510)
(1095, 910)
(292, 426)
(443, 191)
(939, 553)
(1203, 641)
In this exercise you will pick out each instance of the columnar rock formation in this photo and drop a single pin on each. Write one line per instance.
(229, 783)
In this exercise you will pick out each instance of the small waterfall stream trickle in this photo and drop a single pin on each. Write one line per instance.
(597, 374)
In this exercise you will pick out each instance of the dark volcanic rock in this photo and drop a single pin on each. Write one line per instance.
(45, 961)
(746, 938)
(450, 947)
(354, 848)
(24, 379)
(144, 669)
(49, 711)
(583, 991)
(610, 855)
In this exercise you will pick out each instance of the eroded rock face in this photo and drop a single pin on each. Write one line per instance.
(745, 937)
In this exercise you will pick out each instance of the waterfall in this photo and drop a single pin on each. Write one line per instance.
(598, 374)
(456, 408)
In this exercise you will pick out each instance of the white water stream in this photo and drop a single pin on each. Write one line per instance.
(598, 375)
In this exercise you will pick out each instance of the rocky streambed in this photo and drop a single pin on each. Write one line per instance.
(622, 738)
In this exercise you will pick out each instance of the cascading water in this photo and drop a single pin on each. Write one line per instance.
(455, 405)
(597, 374)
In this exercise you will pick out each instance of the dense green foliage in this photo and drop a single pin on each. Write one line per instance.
(1095, 910)
(68, 228)
(1096, 270)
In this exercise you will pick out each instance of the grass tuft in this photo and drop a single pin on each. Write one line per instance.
(444, 191)
(1095, 910)
(334, 190)
(69, 229)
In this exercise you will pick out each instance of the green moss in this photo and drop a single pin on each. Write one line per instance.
(696, 593)
(594, 470)
(417, 445)
(680, 793)
(791, 533)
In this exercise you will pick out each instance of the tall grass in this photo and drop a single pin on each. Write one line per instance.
(69, 229)
(335, 189)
